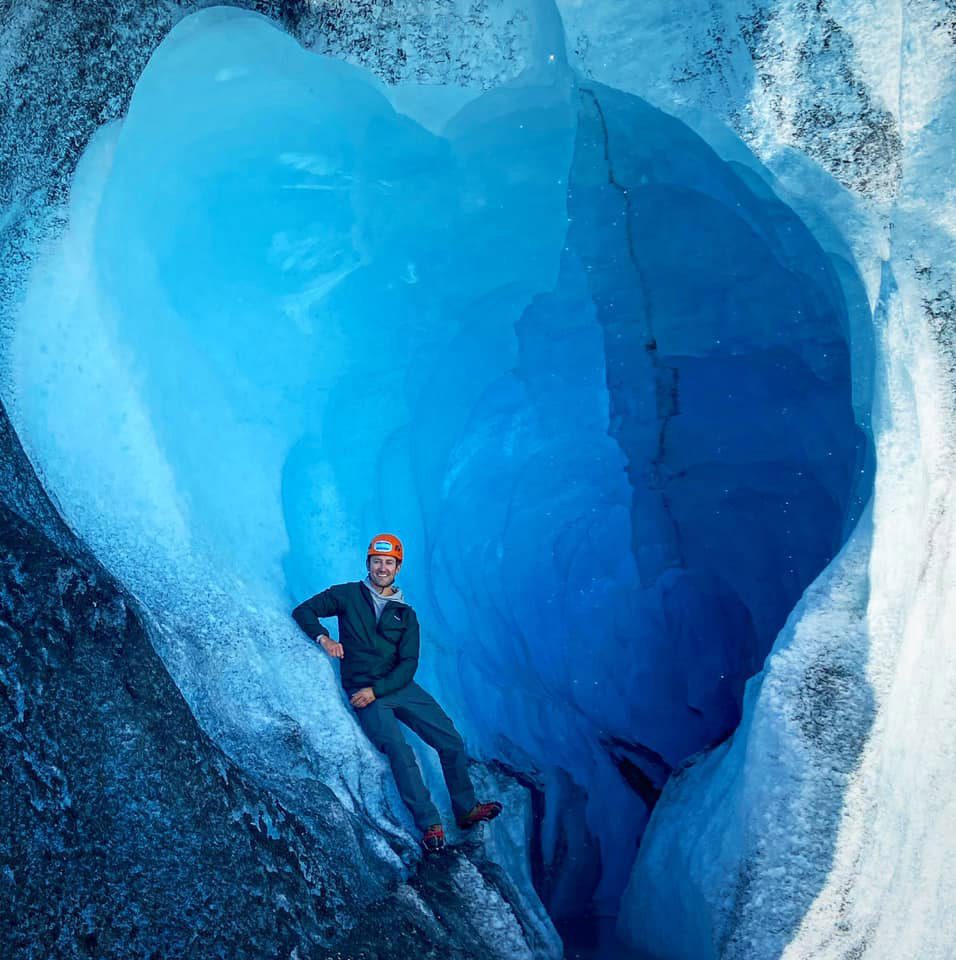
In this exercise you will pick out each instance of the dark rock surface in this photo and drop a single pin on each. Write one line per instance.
(127, 831)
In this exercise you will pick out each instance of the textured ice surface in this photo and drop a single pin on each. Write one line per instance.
(588, 370)
(824, 830)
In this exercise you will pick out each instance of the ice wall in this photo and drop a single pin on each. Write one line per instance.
(595, 376)
(733, 426)
(823, 829)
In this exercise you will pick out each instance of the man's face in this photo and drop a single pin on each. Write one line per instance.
(382, 570)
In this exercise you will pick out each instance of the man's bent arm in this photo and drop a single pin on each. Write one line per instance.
(403, 671)
(307, 613)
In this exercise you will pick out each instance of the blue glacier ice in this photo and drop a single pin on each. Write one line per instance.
(823, 829)
(597, 376)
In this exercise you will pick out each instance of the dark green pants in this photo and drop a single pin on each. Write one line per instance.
(419, 711)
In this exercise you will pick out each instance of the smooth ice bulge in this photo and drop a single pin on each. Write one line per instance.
(597, 381)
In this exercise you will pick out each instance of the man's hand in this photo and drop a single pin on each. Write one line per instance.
(332, 648)
(362, 698)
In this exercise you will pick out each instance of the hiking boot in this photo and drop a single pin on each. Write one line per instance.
(434, 839)
(479, 813)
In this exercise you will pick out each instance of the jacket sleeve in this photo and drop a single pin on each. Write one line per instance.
(307, 613)
(403, 671)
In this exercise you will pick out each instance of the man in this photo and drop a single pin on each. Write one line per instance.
(379, 646)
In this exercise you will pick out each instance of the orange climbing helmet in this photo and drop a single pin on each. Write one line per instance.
(385, 545)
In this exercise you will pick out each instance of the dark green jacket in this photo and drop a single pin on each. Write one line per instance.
(383, 656)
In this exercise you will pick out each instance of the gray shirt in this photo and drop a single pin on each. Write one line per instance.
(380, 600)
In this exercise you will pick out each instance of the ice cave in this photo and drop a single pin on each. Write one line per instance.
(635, 322)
